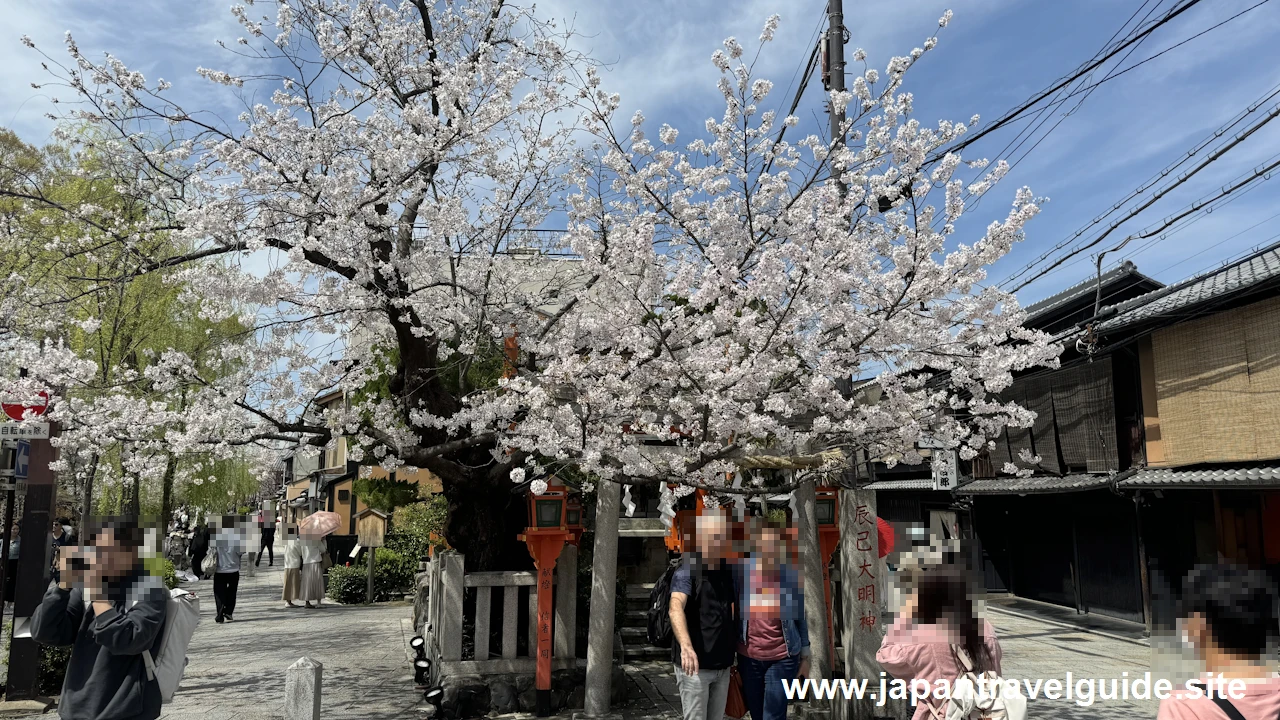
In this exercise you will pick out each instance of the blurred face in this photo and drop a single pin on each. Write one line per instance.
(770, 546)
(713, 537)
(113, 558)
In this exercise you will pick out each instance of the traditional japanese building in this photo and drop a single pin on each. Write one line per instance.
(1158, 444)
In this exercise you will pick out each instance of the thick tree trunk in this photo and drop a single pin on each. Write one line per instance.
(135, 497)
(166, 500)
(86, 499)
(484, 520)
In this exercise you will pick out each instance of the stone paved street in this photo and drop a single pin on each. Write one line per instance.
(1034, 649)
(237, 669)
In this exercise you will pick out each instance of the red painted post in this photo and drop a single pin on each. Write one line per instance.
(545, 547)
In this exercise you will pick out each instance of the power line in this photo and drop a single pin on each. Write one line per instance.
(1171, 47)
(1217, 153)
(1068, 80)
(1047, 111)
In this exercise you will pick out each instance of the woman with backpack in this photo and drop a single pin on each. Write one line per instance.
(937, 634)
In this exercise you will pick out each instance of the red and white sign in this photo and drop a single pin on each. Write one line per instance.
(16, 410)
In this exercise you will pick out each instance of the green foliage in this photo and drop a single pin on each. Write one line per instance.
(385, 494)
(217, 479)
(53, 668)
(162, 568)
(778, 516)
(392, 576)
(413, 526)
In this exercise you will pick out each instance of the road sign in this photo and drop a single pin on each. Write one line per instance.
(22, 460)
(29, 431)
(15, 411)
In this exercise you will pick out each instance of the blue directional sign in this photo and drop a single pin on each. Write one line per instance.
(23, 460)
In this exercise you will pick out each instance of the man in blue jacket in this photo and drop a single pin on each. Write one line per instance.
(110, 611)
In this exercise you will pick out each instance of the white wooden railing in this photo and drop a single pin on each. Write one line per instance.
(447, 583)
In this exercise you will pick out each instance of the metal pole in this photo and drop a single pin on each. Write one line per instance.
(835, 55)
(604, 574)
(369, 587)
(11, 459)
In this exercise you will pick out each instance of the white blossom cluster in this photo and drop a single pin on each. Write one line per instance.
(712, 296)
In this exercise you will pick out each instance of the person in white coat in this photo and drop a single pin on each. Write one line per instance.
(313, 552)
(292, 566)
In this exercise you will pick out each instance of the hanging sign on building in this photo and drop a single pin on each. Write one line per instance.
(945, 469)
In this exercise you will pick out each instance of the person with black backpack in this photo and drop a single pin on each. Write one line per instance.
(1228, 619)
(704, 622)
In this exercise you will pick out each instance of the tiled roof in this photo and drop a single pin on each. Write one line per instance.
(1259, 268)
(1034, 485)
(1085, 288)
(1153, 478)
(910, 484)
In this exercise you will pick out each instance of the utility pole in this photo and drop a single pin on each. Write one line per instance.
(835, 68)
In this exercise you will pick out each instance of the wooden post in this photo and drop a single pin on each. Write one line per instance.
(369, 585)
(545, 547)
(1142, 562)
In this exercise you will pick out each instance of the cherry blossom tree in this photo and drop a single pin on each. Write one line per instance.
(377, 217)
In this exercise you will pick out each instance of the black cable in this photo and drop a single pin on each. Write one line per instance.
(1171, 47)
(1089, 66)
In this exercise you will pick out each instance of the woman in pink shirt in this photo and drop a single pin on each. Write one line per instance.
(937, 617)
(1228, 618)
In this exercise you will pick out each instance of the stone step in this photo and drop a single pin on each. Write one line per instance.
(641, 653)
(634, 635)
(641, 590)
(636, 618)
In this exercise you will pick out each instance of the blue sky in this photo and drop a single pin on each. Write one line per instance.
(995, 54)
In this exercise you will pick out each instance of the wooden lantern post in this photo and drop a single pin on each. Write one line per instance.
(549, 514)
(371, 529)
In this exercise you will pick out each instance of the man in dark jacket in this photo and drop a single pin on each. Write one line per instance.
(110, 611)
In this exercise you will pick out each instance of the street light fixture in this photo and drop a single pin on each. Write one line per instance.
(421, 670)
(419, 645)
(434, 696)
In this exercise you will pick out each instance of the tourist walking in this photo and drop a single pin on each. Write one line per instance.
(109, 611)
(199, 548)
(312, 576)
(936, 624)
(268, 539)
(703, 621)
(773, 641)
(228, 543)
(1228, 620)
(292, 567)
(58, 539)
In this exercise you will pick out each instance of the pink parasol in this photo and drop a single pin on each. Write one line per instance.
(319, 524)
